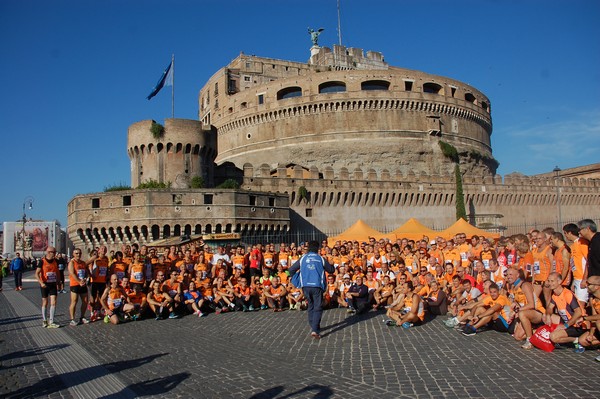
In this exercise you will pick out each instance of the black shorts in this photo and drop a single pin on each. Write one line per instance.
(79, 289)
(49, 290)
(499, 325)
(98, 289)
(574, 332)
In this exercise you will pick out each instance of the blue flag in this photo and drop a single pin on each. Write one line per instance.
(165, 80)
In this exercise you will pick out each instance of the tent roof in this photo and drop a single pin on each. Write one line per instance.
(462, 226)
(414, 230)
(359, 231)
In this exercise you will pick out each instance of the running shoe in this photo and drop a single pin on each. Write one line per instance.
(469, 330)
(172, 315)
(263, 307)
(251, 308)
(83, 320)
(597, 358)
(218, 311)
(406, 324)
(527, 345)
(74, 323)
(578, 348)
(451, 323)
(53, 325)
(390, 323)
(44, 324)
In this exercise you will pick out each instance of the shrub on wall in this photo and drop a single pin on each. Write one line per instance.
(197, 182)
(117, 187)
(229, 183)
(157, 130)
(449, 150)
(151, 183)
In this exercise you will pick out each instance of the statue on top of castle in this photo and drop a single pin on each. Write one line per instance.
(314, 35)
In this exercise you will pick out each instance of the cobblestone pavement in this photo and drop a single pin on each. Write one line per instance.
(271, 355)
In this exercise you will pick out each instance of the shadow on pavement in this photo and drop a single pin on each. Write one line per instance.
(50, 385)
(318, 392)
(347, 322)
(12, 320)
(156, 386)
(32, 352)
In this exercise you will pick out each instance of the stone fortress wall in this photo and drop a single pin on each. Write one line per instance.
(144, 216)
(276, 111)
(335, 199)
(315, 147)
(185, 150)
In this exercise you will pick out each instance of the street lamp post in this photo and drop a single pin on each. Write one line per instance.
(556, 171)
(27, 204)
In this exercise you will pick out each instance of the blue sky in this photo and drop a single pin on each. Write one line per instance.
(75, 75)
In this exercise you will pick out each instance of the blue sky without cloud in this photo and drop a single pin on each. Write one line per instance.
(76, 74)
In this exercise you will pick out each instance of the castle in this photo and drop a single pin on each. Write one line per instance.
(316, 146)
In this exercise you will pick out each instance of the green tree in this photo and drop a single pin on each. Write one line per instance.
(460, 196)
(229, 183)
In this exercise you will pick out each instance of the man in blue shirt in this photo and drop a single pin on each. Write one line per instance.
(312, 268)
(17, 266)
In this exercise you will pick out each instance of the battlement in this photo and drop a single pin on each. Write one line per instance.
(370, 177)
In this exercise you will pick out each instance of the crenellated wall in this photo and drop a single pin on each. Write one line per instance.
(144, 216)
(337, 198)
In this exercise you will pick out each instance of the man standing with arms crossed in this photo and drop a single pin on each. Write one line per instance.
(312, 268)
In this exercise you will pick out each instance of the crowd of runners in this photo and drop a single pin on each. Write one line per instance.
(515, 284)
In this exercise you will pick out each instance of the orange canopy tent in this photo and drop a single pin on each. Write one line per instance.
(462, 226)
(414, 230)
(359, 231)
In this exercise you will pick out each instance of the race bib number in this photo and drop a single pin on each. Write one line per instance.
(536, 268)
(511, 259)
(486, 264)
(283, 262)
(103, 271)
(51, 277)
(138, 276)
(269, 262)
(120, 275)
(409, 268)
(238, 266)
(116, 302)
(572, 262)
(81, 274)
(463, 256)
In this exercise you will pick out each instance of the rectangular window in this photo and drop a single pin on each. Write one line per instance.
(127, 200)
(95, 203)
(246, 78)
(252, 200)
(208, 199)
(261, 98)
(216, 88)
(177, 199)
(271, 201)
(408, 85)
(308, 212)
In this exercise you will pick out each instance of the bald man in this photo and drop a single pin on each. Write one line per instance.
(47, 276)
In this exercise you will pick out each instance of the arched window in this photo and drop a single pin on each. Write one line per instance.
(289, 92)
(432, 88)
(332, 87)
(375, 85)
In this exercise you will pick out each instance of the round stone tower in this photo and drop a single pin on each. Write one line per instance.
(182, 151)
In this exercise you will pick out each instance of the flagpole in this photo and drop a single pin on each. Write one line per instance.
(173, 87)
